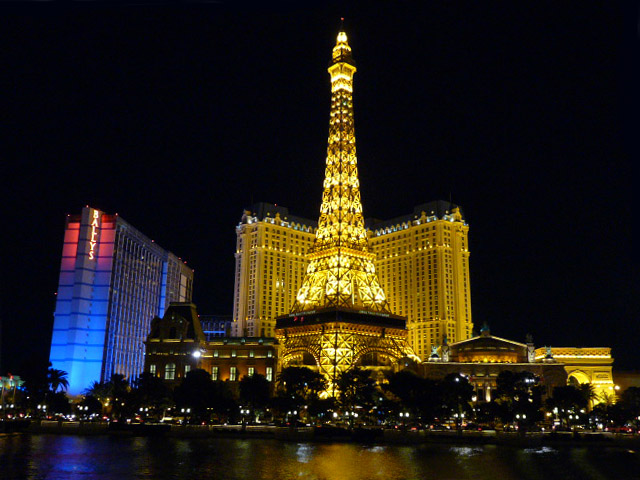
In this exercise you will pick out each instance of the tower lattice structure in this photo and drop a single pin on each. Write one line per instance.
(341, 270)
(341, 315)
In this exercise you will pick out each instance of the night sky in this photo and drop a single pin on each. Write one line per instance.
(179, 118)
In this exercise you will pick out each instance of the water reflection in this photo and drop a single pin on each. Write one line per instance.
(53, 457)
(540, 450)
(304, 452)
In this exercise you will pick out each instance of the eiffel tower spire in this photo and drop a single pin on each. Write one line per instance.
(341, 272)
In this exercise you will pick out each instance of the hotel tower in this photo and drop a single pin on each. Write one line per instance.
(113, 281)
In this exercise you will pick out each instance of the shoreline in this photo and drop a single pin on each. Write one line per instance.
(336, 435)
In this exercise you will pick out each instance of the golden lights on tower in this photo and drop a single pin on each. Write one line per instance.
(341, 271)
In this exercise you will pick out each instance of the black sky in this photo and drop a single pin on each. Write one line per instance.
(178, 118)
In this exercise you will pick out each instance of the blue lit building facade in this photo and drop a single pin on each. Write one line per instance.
(216, 326)
(113, 281)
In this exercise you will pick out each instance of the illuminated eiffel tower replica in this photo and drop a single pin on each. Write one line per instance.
(341, 315)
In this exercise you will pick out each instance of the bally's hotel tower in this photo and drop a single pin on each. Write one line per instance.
(113, 281)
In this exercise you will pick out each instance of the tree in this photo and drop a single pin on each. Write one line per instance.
(519, 397)
(195, 393)
(567, 402)
(151, 394)
(90, 405)
(57, 379)
(300, 385)
(36, 382)
(630, 398)
(321, 407)
(356, 389)
(58, 402)
(456, 393)
(255, 391)
(420, 396)
(101, 392)
(119, 389)
(588, 391)
(202, 396)
(627, 409)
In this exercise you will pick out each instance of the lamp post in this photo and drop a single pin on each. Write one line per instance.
(243, 412)
(197, 355)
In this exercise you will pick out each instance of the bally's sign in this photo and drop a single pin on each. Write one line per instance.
(93, 234)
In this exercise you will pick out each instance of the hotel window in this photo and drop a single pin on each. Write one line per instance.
(233, 374)
(187, 369)
(251, 371)
(214, 373)
(170, 371)
(215, 353)
(270, 374)
(233, 353)
(251, 353)
(269, 353)
(152, 369)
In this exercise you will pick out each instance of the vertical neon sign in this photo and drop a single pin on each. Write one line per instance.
(93, 241)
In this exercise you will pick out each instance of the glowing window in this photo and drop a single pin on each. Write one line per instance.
(170, 371)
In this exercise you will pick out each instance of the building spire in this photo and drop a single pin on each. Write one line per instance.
(341, 271)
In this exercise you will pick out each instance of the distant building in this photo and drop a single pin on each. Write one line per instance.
(113, 281)
(177, 344)
(216, 326)
(482, 358)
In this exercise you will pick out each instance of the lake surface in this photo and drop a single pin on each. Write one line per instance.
(53, 457)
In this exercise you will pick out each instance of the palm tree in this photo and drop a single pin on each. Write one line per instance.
(119, 386)
(101, 392)
(57, 379)
(589, 393)
(98, 390)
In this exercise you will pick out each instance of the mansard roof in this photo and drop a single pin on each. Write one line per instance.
(180, 322)
(437, 208)
(262, 210)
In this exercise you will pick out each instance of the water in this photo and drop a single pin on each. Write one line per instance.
(54, 457)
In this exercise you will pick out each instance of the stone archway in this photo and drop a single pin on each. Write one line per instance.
(578, 377)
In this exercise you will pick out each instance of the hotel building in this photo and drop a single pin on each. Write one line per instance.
(270, 265)
(113, 281)
(422, 262)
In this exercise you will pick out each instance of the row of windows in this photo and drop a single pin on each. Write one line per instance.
(170, 372)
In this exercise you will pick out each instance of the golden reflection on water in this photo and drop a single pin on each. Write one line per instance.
(336, 462)
(51, 457)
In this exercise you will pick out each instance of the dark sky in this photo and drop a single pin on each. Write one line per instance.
(178, 118)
